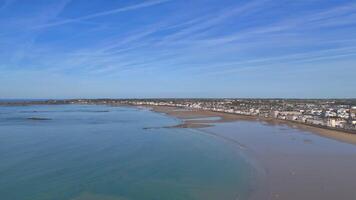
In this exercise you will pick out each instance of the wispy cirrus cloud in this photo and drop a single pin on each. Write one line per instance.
(105, 13)
(199, 25)
(177, 39)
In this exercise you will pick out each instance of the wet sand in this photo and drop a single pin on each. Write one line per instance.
(189, 120)
(294, 164)
(198, 118)
(293, 161)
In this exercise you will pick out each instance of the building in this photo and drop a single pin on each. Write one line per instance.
(274, 113)
(331, 122)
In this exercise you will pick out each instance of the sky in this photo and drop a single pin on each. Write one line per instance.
(177, 48)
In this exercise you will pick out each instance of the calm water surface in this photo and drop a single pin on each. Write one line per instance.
(100, 152)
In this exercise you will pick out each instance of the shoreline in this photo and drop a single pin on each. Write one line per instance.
(192, 118)
(226, 117)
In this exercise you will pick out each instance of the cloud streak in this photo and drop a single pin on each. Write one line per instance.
(177, 41)
(105, 13)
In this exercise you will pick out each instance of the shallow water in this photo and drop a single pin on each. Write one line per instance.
(101, 152)
(295, 164)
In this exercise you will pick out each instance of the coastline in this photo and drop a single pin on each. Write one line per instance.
(293, 165)
(344, 135)
(192, 118)
(286, 162)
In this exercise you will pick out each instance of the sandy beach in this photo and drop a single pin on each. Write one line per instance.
(293, 161)
(199, 118)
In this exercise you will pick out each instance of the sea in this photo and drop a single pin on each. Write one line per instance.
(98, 152)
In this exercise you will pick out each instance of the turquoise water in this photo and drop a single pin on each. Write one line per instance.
(99, 152)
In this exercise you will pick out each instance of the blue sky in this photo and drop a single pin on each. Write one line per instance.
(177, 48)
